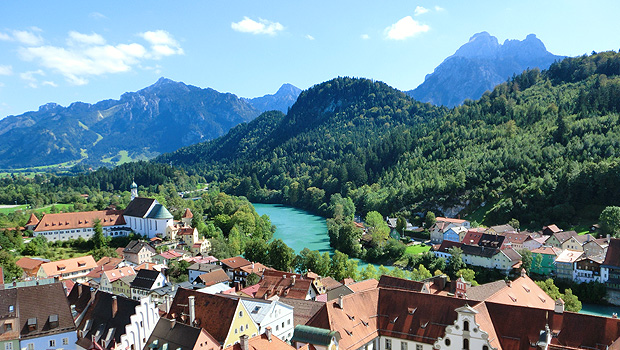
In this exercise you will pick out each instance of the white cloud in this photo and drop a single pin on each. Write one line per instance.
(88, 55)
(365, 36)
(30, 78)
(405, 28)
(263, 26)
(309, 37)
(76, 38)
(97, 15)
(5, 37)
(439, 8)
(6, 70)
(419, 10)
(27, 38)
(49, 83)
(162, 44)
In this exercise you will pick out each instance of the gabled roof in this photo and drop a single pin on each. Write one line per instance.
(363, 285)
(472, 237)
(186, 231)
(250, 291)
(8, 310)
(551, 229)
(145, 279)
(450, 220)
(235, 262)
(27, 263)
(568, 256)
(479, 251)
(204, 267)
(31, 307)
(546, 250)
(102, 323)
(303, 310)
(78, 220)
(139, 207)
(330, 283)
(175, 335)
(171, 254)
(260, 342)
(564, 236)
(108, 261)
(515, 238)
(113, 275)
(256, 268)
(445, 246)
(612, 258)
(213, 277)
(337, 292)
(283, 285)
(522, 291)
(583, 239)
(511, 254)
(500, 229)
(135, 246)
(56, 268)
(491, 241)
(33, 220)
(206, 306)
(79, 297)
(400, 283)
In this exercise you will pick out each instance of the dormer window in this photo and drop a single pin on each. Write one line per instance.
(32, 324)
(11, 308)
(81, 264)
(53, 321)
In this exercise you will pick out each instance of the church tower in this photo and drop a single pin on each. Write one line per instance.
(134, 190)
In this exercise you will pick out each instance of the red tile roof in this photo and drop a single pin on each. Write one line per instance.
(450, 220)
(260, 342)
(214, 277)
(57, 268)
(235, 262)
(281, 284)
(472, 237)
(33, 220)
(86, 219)
(613, 253)
(27, 263)
(188, 213)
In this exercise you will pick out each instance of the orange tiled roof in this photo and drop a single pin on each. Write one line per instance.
(33, 220)
(57, 268)
(260, 342)
(86, 219)
(113, 275)
(235, 262)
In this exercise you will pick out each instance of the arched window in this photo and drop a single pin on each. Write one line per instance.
(465, 344)
(466, 326)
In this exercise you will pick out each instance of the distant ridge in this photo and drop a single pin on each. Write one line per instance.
(159, 118)
(478, 66)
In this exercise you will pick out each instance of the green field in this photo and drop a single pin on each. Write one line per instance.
(46, 209)
(417, 249)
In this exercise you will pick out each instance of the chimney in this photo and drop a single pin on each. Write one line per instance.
(608, 238)
(508, 283)
(293, 281)
(147, 266)
(340, 302)
(523, 273)
(192, 310)
(167, 303)
(79, 289)
(559, 306)
(244, 342)
(114, 306)
(268, 333)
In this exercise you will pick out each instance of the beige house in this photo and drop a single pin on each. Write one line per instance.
(74, 269)
(138, 252)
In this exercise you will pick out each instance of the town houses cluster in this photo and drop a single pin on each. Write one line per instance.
(129, 303)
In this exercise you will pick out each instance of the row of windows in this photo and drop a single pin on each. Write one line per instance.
(30, 346)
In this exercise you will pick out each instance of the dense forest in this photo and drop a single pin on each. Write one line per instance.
(541, 147)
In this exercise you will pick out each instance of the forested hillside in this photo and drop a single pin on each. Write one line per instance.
(541, 147)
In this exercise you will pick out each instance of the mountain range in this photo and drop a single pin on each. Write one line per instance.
(140, 125)
(480, 65)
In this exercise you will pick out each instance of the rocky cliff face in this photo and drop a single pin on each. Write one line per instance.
(478, 66)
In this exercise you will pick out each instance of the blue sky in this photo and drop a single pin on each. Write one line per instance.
(67, 51)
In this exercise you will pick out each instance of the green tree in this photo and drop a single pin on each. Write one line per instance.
(429, 219)
(571, 301)
(550, 288)
(455, 262)
(99, 253)
(370, 271)
(281, 256)
(610, 220)
(98, 240)
(11, 270)
(401, 224)
(252, 279)
(468, 275)
(338, 266)
(256, 251)
(514, 223)
(378, 227)
(526, 259)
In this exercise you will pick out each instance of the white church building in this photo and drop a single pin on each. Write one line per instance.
(146, 216)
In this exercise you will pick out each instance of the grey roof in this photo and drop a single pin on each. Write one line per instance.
(564, 235)
(491, 241)
(175, 334)
(135, 246)
(139, 207)
(102, 324)
(145, 279)
(159, 212)
(303, 310)
(479, 251)
(512, 254)
(336, 292)
(482, 292)
(258, 309)
(204, 267)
